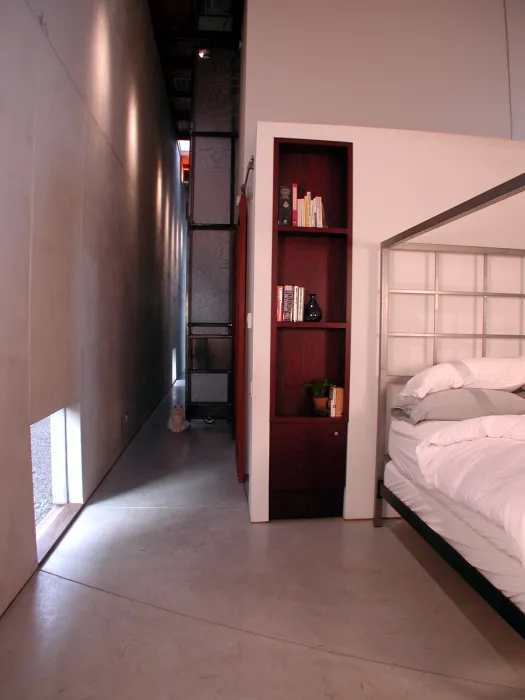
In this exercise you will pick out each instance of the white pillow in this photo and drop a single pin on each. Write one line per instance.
(505, 374)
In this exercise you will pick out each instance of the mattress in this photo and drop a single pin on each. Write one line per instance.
(403, 439)
(481, 542)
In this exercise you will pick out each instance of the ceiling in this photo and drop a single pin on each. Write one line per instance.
(182, 27)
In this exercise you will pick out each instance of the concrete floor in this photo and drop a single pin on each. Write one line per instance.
(162, 589)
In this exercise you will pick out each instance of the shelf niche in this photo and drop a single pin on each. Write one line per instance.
(319, 265)
(308, 454)
(320, 168)
(314, 355)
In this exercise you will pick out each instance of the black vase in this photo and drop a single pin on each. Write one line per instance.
(312, 310)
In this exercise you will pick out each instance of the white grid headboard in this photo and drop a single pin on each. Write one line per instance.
(445, 303)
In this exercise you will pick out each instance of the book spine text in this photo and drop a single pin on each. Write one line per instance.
(288, 303)
(285, 205)
(294, 204)
(279, 303)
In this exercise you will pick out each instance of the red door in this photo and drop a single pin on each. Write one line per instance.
(239, 340)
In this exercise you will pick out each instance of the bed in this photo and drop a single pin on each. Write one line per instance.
(483, 544)
(477, 546)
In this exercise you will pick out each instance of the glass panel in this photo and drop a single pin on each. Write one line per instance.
(209, 388)
(411, 270)
(211, 353)
(210, 276)
(505, 274)
(219, 353)
(497, 347)
(209, 330)
(216, 91)
(460, 314)
(460, 273)
(409, 355)
(211, 178)
(411, 313)
(198, 353)
(505, 316)
(452, 349)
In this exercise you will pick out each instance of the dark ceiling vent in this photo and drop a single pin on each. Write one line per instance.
(182, 84)
(215, 15)
(215, 8)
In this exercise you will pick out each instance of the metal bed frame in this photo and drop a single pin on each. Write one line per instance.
(510, 612)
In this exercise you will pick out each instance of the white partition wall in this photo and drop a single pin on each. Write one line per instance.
(400, 178)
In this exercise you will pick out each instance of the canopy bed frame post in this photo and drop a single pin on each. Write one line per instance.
(383, 387)
(436, 309)
(484, 306)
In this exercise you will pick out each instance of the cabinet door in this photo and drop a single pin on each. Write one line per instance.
(307, 455)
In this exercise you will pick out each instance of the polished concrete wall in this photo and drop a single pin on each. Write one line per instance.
(91, 239)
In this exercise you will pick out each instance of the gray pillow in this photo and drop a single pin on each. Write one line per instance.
(458, 404)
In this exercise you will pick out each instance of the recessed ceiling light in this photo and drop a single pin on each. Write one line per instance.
(204, 53)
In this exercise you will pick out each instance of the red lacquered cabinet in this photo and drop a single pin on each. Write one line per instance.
(307, 453)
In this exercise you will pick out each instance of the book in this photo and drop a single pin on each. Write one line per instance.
(339, 401)
(285, 205)
(308, 209)
(336, 401)
(300, 305)
(288, 302)
(304, 212)
(280, 303)
(295, 303)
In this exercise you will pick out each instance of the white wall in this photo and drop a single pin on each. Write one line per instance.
(86, 236)
(400, 179)
(402, 64)
(446, 66)
(515, 13)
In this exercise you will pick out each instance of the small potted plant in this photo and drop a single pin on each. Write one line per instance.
(319, 389)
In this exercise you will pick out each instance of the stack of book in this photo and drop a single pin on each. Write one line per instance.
(335, 401)
(305, 212)
(290, 303)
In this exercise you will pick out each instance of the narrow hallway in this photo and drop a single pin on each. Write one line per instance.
(163, 589)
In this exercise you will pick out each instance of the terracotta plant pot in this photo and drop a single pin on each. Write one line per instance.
(321, 403)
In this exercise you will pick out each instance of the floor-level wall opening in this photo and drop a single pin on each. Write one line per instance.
(56, 457)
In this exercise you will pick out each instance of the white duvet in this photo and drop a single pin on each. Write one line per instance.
(480, 463)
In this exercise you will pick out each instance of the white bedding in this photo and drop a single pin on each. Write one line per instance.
(480, 464)
(403, 440)
(480, 542)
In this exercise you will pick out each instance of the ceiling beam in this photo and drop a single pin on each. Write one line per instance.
(182, 115)
(207, 38)
(179, 94)
(175, 62)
